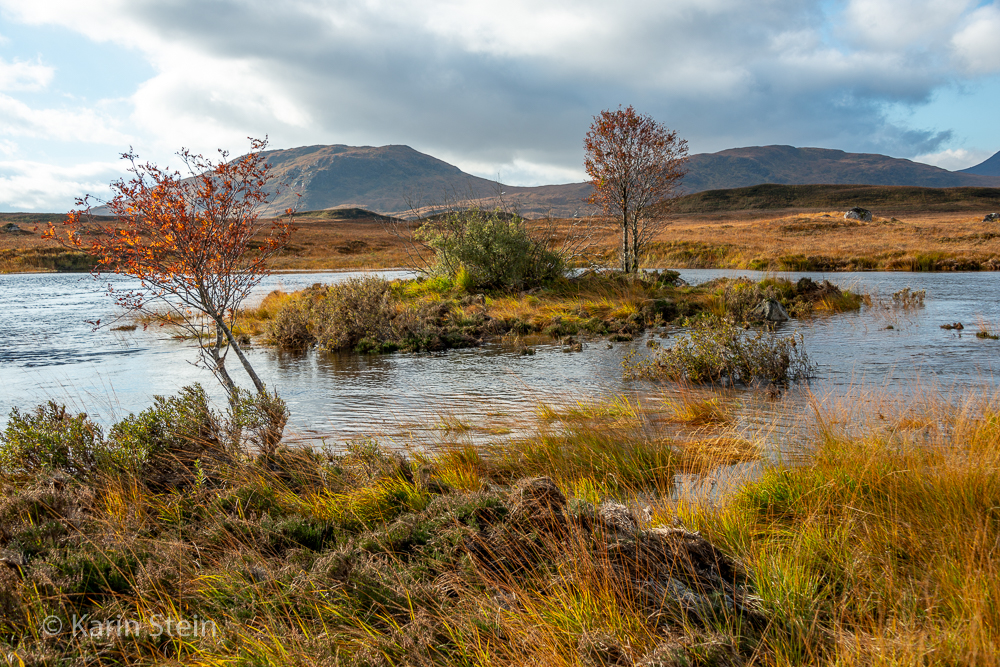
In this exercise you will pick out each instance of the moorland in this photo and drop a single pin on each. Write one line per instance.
(191, 533)
(765, 227)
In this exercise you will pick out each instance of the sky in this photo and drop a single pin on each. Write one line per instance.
(500, 88)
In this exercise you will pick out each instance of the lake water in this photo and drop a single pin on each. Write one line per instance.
(48, 351)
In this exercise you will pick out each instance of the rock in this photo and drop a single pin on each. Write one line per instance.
(769, 310)
(616, 519)
(672, 575)
(858, 213)
(11, 228)
(992, 217)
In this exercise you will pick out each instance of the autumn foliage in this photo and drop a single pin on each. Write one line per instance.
(195, 241)
(635, 165)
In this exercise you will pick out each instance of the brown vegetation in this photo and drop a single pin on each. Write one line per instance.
(899, 238)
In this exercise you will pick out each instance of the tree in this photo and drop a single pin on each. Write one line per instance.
(197, 244)
(635, 165)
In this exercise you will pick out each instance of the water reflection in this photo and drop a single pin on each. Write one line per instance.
(47, 351)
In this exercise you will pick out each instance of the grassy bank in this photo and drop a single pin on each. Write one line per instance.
(562, 548)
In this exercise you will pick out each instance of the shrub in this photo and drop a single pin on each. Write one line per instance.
(171, 443)
(719, 351)
(489, 250)
(289, 325)
(261, 418)
(354, 310)
(49, 439)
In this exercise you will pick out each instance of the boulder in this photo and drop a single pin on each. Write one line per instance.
(769, 310)
(858, 213)
(11, 228)
(992, 217)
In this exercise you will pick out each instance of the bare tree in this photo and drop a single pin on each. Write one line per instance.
(635, 165)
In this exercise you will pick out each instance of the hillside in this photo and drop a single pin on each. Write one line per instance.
(403, 182)
(742, 167)
(886, 200)
(990, 167)
(398, 180)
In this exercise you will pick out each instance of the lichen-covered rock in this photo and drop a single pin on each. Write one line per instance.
(769, 310)
(858, 213)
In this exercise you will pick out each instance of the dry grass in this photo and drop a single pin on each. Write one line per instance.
(799, 241)
(766, 240)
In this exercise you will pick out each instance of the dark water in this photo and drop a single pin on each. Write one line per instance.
(48, 351)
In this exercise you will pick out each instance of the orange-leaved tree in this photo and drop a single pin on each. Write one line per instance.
(197, 243)
(635, 165)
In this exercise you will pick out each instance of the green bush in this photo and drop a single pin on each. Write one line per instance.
(719, 351)
(354, 310)
(49, 439)
(488, 250)
(180, 440)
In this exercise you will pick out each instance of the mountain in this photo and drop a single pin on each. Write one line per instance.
(398, 180)
(742, 167)
(990, 167)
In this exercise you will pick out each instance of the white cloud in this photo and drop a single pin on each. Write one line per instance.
(36, 186)
(903, 24)
(978, 43)
(511, 85)
(19, 75)
(954, 159)
(69, 125)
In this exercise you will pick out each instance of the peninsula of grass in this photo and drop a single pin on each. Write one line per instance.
(371, 314)
(174, 539)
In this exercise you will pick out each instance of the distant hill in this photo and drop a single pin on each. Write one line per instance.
(400, 181)
(397, 180)
(990, 167)
(754, 165)
(882, 199)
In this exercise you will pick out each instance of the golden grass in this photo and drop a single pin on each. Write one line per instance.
(880, 549)
(765, 240)
(826, 241)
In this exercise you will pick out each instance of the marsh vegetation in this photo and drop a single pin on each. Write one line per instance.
(565, 547)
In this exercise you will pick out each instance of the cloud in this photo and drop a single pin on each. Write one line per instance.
(35, 186)
(20, 75)
(511, 85)
(977, 45)
(69, 125)
(954, 159)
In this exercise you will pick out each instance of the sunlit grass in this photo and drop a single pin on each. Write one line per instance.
(878, 547)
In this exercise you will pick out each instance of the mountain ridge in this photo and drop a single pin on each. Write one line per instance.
(399, 180)
(988, 167)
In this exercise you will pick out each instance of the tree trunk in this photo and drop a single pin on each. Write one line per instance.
(625, 257)
(220, 362)
(635, 244)
(242, 357)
